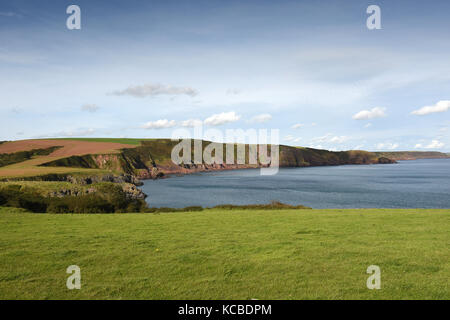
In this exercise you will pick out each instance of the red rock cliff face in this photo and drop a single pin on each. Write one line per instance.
(161, 171)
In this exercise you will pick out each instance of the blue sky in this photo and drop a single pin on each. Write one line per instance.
(309, 68)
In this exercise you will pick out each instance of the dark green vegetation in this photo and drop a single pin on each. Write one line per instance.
(412, 155)
(152, 159)
(305, 157)
(274, 205)
(168, 210)
(73, 161)
(16, 157)
(223, 254)
(62, 197)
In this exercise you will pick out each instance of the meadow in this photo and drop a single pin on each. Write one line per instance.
(227, 254)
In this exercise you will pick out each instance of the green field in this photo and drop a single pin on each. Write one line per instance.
(227, 254)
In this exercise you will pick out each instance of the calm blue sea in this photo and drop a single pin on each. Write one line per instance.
(408, 184)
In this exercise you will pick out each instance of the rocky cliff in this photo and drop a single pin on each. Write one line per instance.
(152, 160)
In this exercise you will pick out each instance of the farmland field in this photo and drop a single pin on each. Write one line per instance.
(227, 254)
(68, 147)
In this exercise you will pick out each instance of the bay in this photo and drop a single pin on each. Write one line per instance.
(407, 184)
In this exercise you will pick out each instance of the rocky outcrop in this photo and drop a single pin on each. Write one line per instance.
(130, 191)
(161, 171)
(82, 179)
(384, 160)
(121, 178)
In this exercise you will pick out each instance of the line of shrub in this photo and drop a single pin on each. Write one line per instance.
(274, 205)
(166, 209)
(16, 157)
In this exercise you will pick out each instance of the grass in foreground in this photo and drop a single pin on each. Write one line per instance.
(223, 254)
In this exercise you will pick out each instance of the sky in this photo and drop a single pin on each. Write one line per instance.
(311, 69)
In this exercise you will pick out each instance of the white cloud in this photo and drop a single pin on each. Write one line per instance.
(376, 112)
(234, 91)
(297, 126)
(264, 117)
(338, 139)
(322, 138)
(90, 108)
(441, 106)
(329, 138)
(150, 90)
(387, 146)
(72, 133)
(222, 118)
(368, 125)
(291, 138)
(191, 123)
(435, 144)
(159, 124)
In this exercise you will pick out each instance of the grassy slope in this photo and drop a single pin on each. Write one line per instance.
(216, 254)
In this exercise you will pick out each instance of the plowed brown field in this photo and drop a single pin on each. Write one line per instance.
(69, 148)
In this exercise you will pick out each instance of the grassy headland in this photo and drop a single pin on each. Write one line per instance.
(413, 155)
(152, 159)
